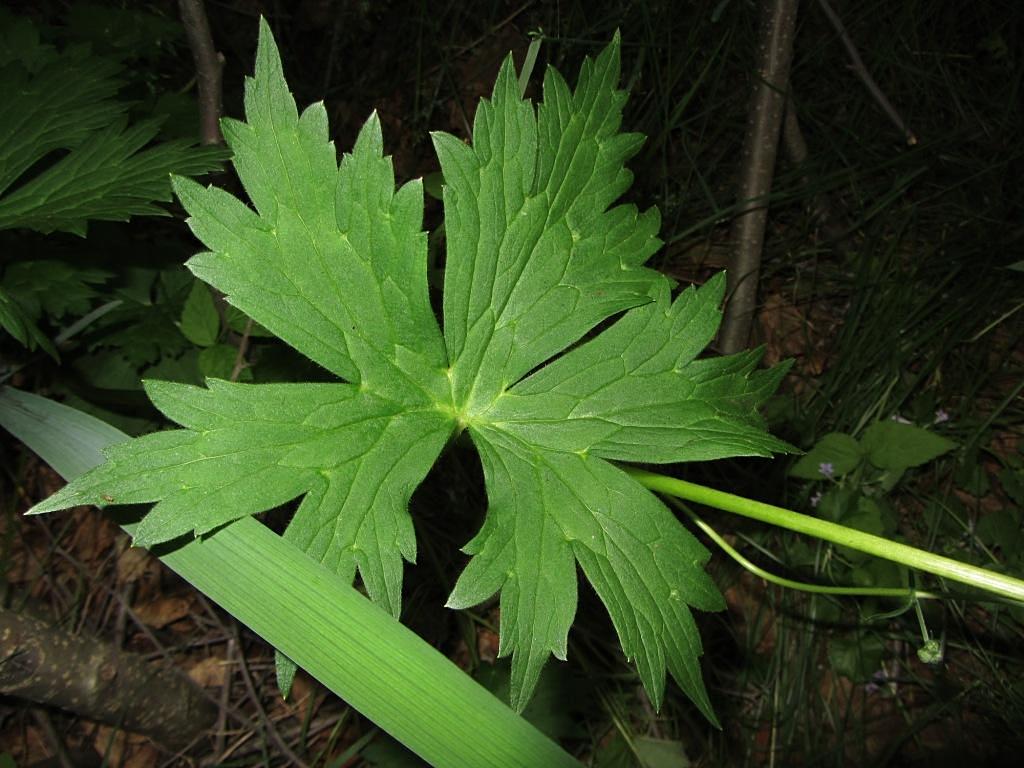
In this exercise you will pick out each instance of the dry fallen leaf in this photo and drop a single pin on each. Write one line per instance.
(126, 750)
(92, 535)
(133, 564)
(28, 743)
(163, 611)
(791, 331)
(211, 672)
(302, 689)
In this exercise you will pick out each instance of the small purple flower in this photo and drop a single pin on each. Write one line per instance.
(816, 499)
(878, 680)
(826, 468)
(941, 416)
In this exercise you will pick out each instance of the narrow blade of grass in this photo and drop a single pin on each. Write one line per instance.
(373, 662)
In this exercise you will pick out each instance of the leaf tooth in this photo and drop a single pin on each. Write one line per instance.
(371, 138)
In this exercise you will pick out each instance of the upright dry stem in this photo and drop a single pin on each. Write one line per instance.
(760, 145)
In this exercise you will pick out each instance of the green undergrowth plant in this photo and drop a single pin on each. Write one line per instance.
(853, 481)
(71, 153)
(899, 637)
(853, 477)
(332, 260)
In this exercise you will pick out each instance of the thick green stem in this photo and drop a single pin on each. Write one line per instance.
(878, 546)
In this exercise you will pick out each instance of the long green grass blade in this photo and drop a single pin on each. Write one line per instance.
(70, 441)
(331, 630)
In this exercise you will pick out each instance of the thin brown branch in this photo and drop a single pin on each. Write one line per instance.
(243, 348)
(862, 72)
(125, 611)
(760, 147)
(209, 69)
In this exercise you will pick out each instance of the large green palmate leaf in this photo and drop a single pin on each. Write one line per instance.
(333, 261)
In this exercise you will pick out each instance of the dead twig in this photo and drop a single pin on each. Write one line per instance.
(862, 72)
(243, 348)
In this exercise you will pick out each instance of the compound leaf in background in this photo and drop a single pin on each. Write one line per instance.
(30, 289)
(19, 323)
(67, 101)
(53, 287)
(51, 101)
(110, 177)
(122, 33)
(332, 260)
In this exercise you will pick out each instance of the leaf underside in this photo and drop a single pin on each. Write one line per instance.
(333, 261)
